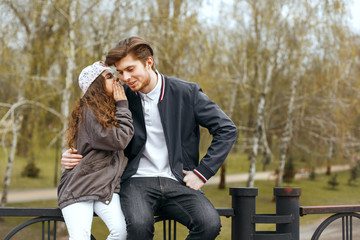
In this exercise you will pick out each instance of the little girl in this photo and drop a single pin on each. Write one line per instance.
(100, 127)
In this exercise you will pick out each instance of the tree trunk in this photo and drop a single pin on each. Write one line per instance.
(267, 151)
(259, 127)
(16, 118)
(15, 124)
(250, 118)
(254, 151)
(329, 158)
(287, 134)
(70, 66)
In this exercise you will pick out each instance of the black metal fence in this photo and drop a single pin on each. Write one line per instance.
(344, 212)
(243, 215)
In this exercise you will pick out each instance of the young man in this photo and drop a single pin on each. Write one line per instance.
(164, 174)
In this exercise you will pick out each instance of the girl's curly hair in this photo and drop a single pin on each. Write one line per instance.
(99, 102)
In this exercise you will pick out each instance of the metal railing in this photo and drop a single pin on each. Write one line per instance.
(45, 216)
(50, 216)
(344, 212)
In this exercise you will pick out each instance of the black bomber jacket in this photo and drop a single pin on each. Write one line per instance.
(183, 108)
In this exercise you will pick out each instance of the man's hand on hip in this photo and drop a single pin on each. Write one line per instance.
(192, 181)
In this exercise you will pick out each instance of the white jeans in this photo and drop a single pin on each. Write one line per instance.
(78, 218)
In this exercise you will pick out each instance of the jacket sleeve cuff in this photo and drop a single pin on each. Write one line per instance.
(203, 173)
(122, 103)
(197, 173)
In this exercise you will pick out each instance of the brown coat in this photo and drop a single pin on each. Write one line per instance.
(98, 174)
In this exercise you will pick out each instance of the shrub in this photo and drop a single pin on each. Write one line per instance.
(354, 173)
(333, 182)
(30, 171)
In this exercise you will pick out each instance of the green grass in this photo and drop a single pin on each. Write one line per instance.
(45, 160)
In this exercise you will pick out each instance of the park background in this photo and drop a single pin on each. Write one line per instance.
(285, 71)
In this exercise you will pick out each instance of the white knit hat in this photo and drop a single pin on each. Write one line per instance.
(90, 73)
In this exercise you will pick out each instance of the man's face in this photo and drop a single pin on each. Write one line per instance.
(134, 74)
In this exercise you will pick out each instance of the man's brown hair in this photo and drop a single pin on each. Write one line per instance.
(138, 47)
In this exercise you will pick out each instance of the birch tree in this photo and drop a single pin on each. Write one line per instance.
(30, 27)
(329, 70)
(259, 126)
(288, 131)
(70, 66)
(94, 37)
(37, 49)
(16, 119)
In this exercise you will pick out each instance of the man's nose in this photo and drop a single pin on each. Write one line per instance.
(126, 76)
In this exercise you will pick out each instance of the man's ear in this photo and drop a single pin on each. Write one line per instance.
(149, 62)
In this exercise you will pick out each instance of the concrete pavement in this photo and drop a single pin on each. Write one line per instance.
(31, 195)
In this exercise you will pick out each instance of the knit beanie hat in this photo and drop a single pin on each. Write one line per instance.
(90, 73)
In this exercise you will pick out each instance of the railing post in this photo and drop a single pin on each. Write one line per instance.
(243, 203)
(287, 203)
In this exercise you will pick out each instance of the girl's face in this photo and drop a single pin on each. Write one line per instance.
(109, 81)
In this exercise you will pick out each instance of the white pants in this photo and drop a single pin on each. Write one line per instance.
(78, 218)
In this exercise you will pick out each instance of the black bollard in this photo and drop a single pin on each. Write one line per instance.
(287, 203)
(243, 204)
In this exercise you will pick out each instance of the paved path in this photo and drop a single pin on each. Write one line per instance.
(31, 195)
(269, 175)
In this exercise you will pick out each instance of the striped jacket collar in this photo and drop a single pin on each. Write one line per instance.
(162, 86)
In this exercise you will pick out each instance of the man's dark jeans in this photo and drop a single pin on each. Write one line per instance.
(141, 198)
